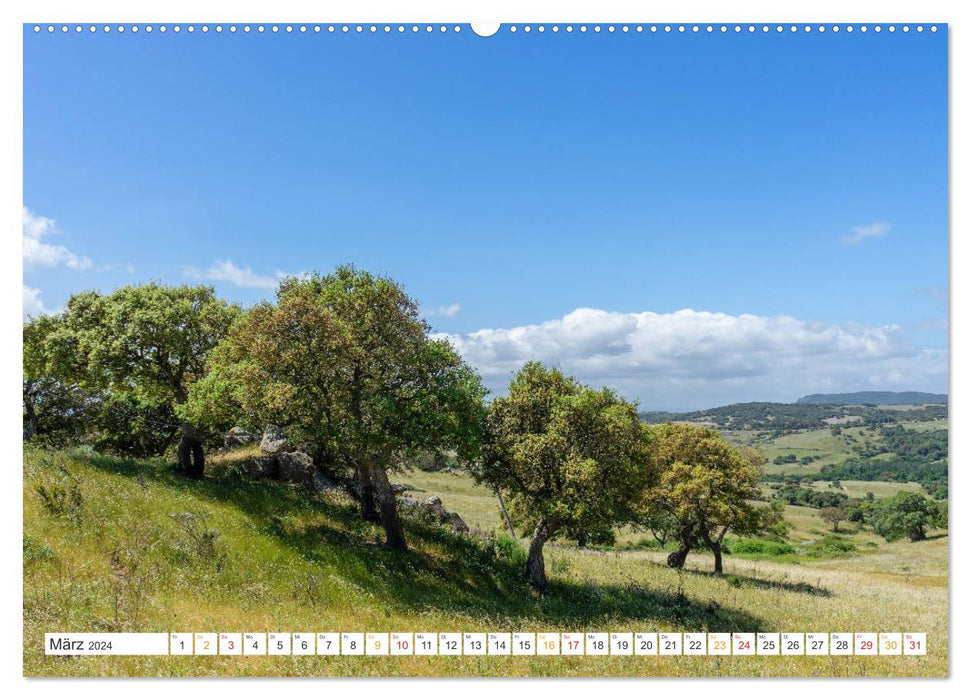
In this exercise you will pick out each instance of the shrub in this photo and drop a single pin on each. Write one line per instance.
(33, 550)
(61, 497)
(830, 546)
(509, 549)
(761, 547)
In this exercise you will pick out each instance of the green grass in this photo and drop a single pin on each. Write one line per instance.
(879, 489)
(477, 505)
(125, 555)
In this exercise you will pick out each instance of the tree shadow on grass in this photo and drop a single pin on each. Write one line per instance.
(767, 583)
(443, 571)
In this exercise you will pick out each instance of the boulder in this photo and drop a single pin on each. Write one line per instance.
(454, 521)
(260, 467)
(399, 488)
(433, 506)
(237, 437)
(407, 503)
(273, 442)
(296, 468)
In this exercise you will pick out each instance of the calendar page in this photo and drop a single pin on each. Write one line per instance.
(515, 349)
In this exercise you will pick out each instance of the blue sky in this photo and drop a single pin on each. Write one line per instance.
(693, 219)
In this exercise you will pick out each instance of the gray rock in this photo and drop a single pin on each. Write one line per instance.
(399, 488)
(454, 521)
(296, 468)
(433, 506)
(237, 437)
(407, 503)
(260, 467)
(273, 442)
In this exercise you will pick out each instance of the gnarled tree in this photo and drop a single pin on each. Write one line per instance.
(150, 342)
(344, 364)
(571, 459)
(706, 487)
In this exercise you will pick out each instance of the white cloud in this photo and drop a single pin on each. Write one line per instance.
(699, 359)
(41, 254)
(228, 271)
(33, 306)
(862, 233)
(447, 310)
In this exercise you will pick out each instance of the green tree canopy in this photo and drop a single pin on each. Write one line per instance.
(833, 516)
(55, 409)
(149, 342)
(707, 487)
(571, 458)
(906, 514)
(345, 365)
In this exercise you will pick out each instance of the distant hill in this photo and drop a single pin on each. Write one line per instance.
(807, 415)
(887, 398)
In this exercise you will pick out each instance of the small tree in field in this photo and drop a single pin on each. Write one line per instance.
(706, 486)
(833, 516)
(572, 459)
(344, 364)
(149, 342)
(907, 515)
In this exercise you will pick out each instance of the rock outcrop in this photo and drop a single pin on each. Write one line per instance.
(289, 466)
(273, 442)
(237, 437)
(260, 468)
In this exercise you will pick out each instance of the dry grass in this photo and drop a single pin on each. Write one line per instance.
(286, 561)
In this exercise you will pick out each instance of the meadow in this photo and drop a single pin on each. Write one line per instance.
(125, 545)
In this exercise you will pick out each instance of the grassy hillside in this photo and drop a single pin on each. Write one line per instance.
(114, 545)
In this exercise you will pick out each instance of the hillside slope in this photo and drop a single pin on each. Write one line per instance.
(884, 398)
(117, 545)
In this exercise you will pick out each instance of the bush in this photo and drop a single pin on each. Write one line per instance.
(761, 547)
(61, 497)
(33, 550)
(134, 428)
(509, 549)
(830, 546)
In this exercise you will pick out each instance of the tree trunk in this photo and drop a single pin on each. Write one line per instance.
(687, 538)
(505, 514)
(535, 565)
(369, 509)
(388, 505)
(716, 548)
(676, 559)
(31, 428)
(191, 456)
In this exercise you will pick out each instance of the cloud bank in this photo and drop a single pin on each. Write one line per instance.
(697, 359)
(446, 310)
(41, 254)
(228, 271)
(32, 304)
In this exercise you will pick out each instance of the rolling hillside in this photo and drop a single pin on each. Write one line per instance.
(900, 442)
(884, 398)
(120, 545)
